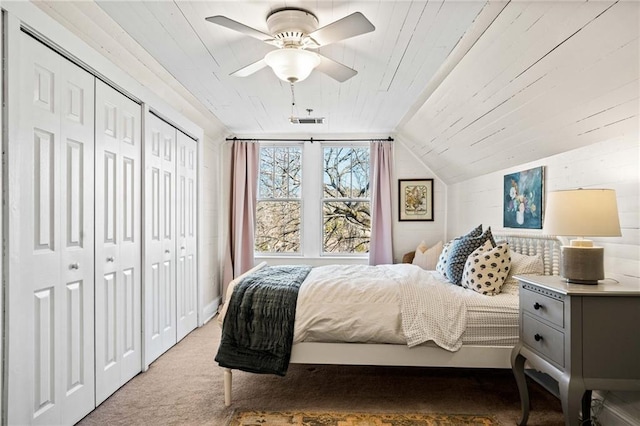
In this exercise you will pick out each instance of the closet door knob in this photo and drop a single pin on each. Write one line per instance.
(74, 266)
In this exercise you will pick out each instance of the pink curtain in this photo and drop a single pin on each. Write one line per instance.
(381, 246)
(244, 185)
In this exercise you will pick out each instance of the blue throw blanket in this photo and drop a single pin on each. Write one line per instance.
(257, 333)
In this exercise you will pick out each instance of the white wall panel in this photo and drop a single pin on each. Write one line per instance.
(118, 248)
(187, 239)
(49, 154)
(160, 239)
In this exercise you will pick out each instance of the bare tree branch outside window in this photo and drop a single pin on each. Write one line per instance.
(346, 206)
(278, 209)
(346, 215)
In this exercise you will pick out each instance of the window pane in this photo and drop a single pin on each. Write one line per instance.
(280, 172)
(347, 227)
(360, 173)
(346, 172)
(278, 227)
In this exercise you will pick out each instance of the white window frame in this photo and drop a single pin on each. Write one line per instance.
(311, 202)
(320, 248)
(258, 254)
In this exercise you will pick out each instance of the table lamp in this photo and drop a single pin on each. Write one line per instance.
(582, 213)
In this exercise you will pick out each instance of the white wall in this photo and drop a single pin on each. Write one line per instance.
(407, 235)
(609, 164)
(212, 203)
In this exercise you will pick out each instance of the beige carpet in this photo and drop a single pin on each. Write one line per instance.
(184, 387)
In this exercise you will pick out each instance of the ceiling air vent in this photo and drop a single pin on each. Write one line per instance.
(306, 120)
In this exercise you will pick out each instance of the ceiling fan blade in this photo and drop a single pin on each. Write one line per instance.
(335, 70)
(250, 69)
(342, 29)
(242, 28)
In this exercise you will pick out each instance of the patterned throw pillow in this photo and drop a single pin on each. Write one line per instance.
(441, 266)
(460, 250)
(487, 268)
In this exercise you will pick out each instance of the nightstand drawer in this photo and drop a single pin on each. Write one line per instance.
(542, 306)
(545, 340)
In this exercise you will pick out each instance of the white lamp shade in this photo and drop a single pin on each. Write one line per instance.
(582, 213)
(292, 65)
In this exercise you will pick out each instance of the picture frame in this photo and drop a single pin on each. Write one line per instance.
(415, 200)
(523, 195)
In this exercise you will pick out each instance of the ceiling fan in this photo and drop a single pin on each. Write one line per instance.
(295, 33)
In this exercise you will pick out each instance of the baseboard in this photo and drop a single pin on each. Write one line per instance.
(210, 310)
(617, 412)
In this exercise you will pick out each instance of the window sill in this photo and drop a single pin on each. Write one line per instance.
(313, 261)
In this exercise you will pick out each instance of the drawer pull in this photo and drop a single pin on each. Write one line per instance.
(537, 306)
(74, 266)
(537, 337)
(110, 259)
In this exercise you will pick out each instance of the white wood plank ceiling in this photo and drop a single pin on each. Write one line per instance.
(394, 63)
(544, 78)
(469, 87)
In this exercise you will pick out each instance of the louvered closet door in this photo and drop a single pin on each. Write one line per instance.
(50, 287)
(187, 285)
(160, 241)
(118, 240)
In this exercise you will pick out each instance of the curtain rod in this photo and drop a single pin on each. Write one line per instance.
(312, 140)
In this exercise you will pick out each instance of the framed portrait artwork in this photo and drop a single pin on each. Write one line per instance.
(415, 199)
(523, 197)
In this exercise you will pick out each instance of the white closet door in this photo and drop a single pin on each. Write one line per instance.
(160, 241)
(118, 240)
(187, 283)
(50, 287)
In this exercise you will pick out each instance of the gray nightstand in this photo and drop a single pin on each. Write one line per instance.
(585, 337)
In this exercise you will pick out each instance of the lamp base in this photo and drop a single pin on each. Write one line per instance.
(582, 265)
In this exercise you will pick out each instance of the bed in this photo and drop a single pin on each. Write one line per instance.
(489, 330)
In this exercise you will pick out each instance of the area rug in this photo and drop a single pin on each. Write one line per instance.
(284, 418)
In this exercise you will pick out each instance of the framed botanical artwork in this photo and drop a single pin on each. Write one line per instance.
(415, 199)
(523, 196)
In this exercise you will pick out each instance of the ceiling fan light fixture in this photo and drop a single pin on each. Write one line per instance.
(291, 64)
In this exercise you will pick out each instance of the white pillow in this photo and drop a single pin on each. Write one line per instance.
(487, 268)
(231, 286)
(522, 264)
(427, 258)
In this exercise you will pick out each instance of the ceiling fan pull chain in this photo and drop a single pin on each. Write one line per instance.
(293, 98)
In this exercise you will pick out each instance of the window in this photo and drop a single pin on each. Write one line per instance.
(279, 203)
(346, 213)
(335, 217)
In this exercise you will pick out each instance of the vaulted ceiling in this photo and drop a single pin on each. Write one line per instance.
(468, 86)
(394, 63)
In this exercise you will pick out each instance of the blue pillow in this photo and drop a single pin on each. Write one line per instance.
(475, 232)
(460, 250)
(441, 266)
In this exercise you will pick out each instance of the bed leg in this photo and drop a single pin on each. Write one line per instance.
(227, 386)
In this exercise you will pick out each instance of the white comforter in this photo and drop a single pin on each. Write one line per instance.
(401, 304)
